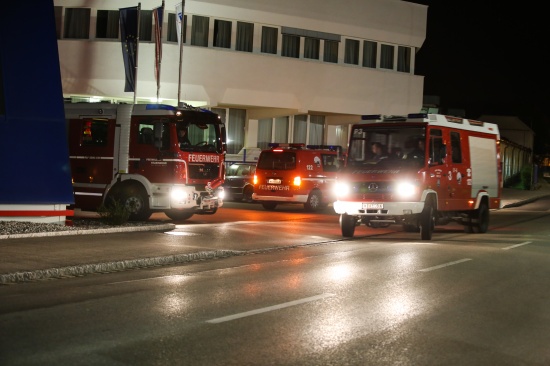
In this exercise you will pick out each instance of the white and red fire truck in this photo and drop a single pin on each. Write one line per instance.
(456, 177)
(134, 155)
(296, 173)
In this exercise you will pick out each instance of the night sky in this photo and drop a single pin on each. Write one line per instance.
(489, 59)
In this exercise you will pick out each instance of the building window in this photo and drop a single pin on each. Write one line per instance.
(352, 52)
(172, 33)
(269, 40)
(199, 31)
(291, 46)
(145, 25)
(58, 13)
(222, 33)
(300, 129)
(331, 52)
(311, 48)
(369, 54)
(386, 56)
(316, 130)
(281, 129)
(77, 23)
(237, 118)
(107, 24)
(265, 129)
(404, 59)
(245, 36)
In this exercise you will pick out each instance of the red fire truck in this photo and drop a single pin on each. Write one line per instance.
(456, 177)
(149, 157)
(295, 173)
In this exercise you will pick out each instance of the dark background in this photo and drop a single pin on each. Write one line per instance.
(489, 59)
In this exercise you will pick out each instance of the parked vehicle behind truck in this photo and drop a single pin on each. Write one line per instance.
(457, 177)
(147, 157)
(296, 173)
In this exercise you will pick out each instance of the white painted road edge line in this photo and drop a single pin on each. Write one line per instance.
(444, 265)
(269, 308)
(517, 245)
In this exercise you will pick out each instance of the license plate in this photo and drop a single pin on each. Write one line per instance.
(274, 181)
(373, 206)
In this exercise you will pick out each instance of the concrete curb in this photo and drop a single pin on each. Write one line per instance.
(115, 266)
(525, 201)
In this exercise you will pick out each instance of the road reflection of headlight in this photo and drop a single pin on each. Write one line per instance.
(341, 189)
(405, 189)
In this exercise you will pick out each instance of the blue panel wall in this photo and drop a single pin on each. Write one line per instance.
(34, 158)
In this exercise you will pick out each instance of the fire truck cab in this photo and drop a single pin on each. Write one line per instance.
(148, 157)
(432, 169)
(296, 173)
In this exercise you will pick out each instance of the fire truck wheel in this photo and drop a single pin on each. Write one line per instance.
(347, 224)
(427, 222)
(178, 214)
(313, 202)
(135, 201)
(481, 216)
(269, 205)
(247, 194)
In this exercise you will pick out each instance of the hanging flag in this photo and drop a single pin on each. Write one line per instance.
(129, 41)
(179, 19)
(157, 16)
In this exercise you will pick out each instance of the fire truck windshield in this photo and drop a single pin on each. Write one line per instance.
(387, 146)
(203, 137)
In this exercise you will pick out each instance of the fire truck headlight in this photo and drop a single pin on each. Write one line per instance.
(405, 189)
(220, 193)
(178, 194)
(341, 189)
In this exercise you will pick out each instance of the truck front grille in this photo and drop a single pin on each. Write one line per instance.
(204, 171)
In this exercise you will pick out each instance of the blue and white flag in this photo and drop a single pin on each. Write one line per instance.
(129, 40)
(179, 19)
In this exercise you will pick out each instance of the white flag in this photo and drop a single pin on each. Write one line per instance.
(179, 19)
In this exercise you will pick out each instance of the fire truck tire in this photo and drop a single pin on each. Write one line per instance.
(347, 224)
(247, 194)
(178, 214)
(427, 222)
(480, 219)
(269, 205)
(314, 202)
(135, 201)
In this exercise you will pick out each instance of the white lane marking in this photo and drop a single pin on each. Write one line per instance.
(269, 308)
(517, 245)
(444, 265)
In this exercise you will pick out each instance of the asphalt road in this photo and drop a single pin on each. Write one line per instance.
(379, 299)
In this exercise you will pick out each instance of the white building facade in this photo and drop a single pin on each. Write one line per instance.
(294, 71)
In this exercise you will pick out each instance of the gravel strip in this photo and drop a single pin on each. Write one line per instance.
(23, 227)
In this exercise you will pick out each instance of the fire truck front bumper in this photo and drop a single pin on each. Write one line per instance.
(186, 197)
(294, 198)
(209, 203)
(393, 209)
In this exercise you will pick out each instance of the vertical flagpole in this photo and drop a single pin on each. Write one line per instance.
(160, 50)
(181, 48)
(137, 48)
